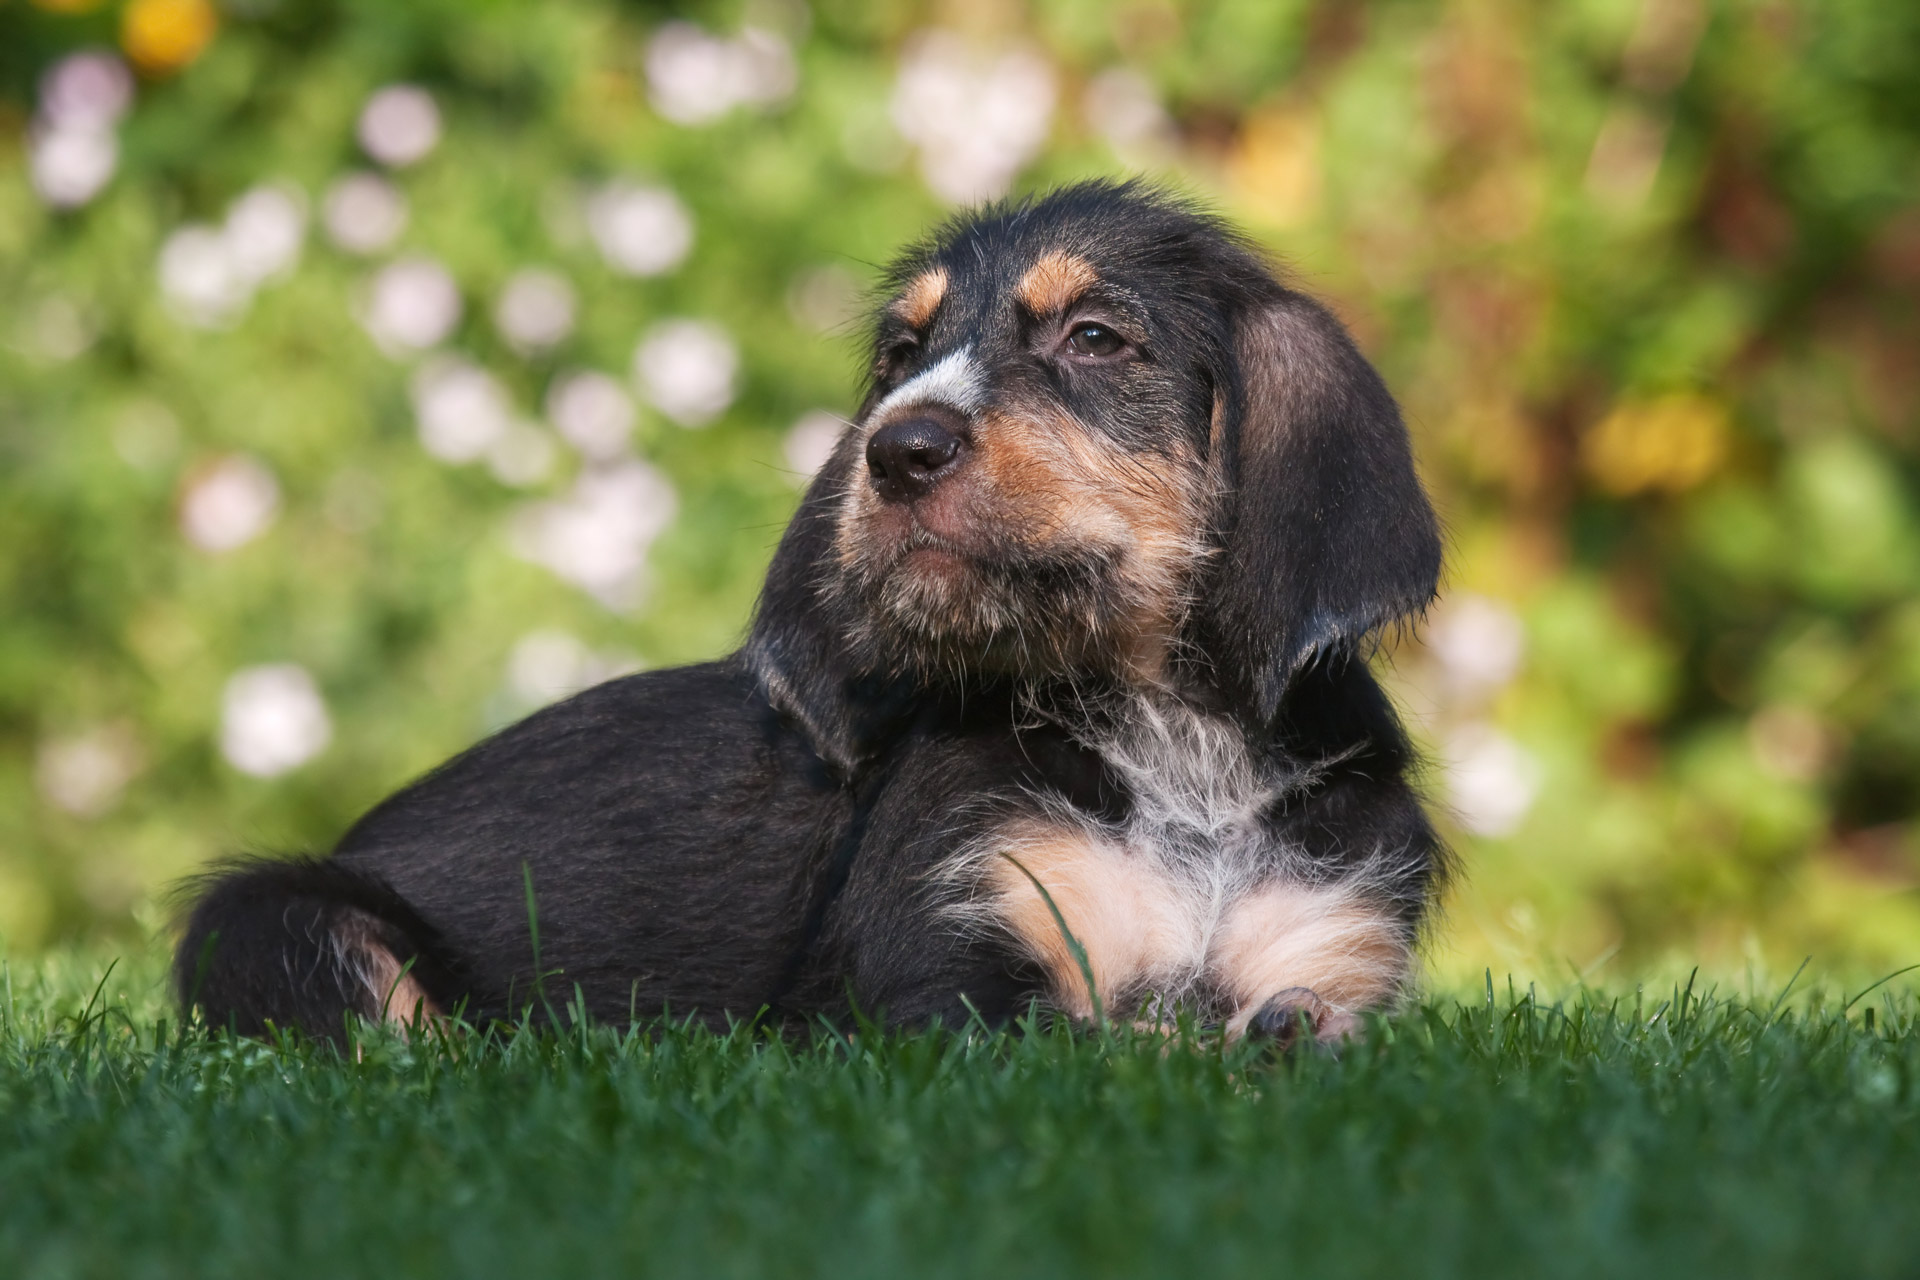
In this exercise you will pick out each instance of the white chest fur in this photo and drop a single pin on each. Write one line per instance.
(1192, 900)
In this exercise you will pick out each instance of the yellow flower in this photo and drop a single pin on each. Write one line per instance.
(162, 36)
(1275, 166)
(1671, 443)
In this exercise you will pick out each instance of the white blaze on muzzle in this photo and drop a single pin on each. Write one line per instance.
(956, 381)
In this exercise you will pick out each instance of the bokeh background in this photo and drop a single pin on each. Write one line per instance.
(374, 371)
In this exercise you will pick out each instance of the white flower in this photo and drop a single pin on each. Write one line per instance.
(1491, 780)
(264, 231)
(547, 665)
(91, 89)
(522, 456)
(72, 150)
(535, 310)
(412, 304)
(229, 504)
(71, 166)
(1479, 643)
(597, 537)
(764, 73)
(592, 412)
(811, 441)
(1122, 107)
(686, 369)
(399, 125)
(694, 77)
(640, 230)
(977, 120)
(85, 774)
(208, 275)
(364, 213)
(272, 719)
(462, 411)
(689, 73)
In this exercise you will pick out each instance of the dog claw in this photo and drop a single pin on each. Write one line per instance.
(1297, 1014)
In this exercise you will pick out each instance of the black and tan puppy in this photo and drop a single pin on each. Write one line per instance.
(1081, 601)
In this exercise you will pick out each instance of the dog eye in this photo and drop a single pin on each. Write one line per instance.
(895, 355)
(1093, 340)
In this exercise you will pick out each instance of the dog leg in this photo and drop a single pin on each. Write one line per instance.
(1127, 919)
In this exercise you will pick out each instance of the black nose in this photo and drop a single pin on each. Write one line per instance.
(906, 458)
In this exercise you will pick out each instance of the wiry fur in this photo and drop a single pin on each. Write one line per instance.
(1198, 830)
(1087, 585)
(956, 380)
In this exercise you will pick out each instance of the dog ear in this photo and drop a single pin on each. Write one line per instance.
(1326, 534)
(799, 651)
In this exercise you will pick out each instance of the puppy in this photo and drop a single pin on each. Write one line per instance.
(1056, 694)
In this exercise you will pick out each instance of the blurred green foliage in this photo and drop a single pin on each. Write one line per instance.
(1645, 273)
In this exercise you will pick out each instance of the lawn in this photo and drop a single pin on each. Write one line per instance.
(1597, 1134)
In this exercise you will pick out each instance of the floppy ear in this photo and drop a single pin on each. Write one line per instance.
(798, 650)
(1326, 533)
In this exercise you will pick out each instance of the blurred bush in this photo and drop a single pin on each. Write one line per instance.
(373, 372)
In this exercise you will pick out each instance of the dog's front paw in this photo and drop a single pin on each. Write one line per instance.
(1297, 1014)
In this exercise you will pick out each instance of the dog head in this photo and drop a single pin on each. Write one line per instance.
(1100, 441)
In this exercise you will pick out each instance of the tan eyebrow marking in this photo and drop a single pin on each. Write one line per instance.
(1054, 282)
(922, 297)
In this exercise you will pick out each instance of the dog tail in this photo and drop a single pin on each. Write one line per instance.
(301, 944)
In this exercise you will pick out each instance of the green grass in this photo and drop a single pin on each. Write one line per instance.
(1635, 1135)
